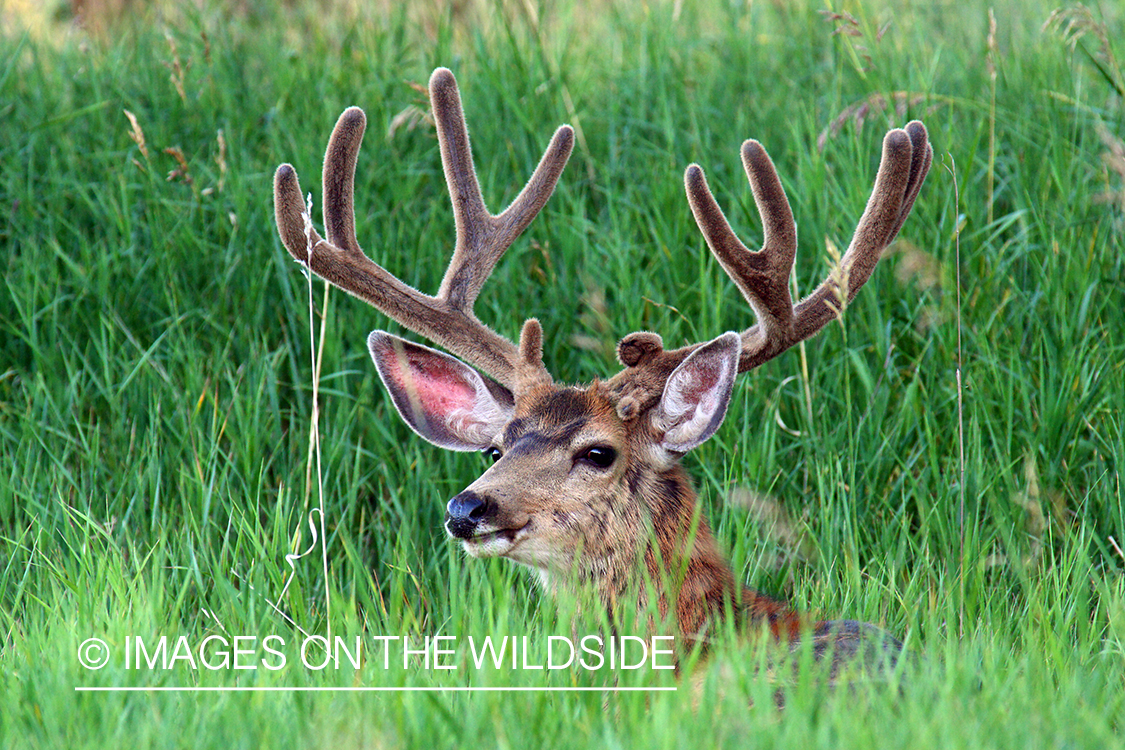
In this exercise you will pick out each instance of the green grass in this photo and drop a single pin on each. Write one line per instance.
(155, 381)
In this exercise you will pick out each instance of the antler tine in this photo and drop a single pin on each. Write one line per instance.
(921, 157)
(483, 238)
(763, 276)
(338, 179)
(446, 319)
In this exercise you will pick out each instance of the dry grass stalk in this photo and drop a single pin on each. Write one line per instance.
(137, 134)
(858, 112)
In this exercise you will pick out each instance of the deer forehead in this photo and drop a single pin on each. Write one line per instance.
(560, 417)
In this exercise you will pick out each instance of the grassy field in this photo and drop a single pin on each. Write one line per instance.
(156, 377)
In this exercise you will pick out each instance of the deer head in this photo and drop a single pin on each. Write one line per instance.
(586, 487)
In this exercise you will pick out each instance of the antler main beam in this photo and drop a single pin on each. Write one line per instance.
(482, 238)
(763, 276)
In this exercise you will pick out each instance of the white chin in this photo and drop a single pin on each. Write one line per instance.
(488, 545)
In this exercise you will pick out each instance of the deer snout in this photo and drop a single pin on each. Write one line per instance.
(464, 513)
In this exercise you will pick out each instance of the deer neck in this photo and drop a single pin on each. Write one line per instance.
(681, 565)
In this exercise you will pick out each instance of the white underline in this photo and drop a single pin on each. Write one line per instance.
(250, 689)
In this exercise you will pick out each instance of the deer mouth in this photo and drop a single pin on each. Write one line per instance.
(494, 543)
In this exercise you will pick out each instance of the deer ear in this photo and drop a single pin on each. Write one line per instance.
(697, 394)
(442, 399)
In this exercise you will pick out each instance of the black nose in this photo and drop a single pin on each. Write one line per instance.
(463, 514)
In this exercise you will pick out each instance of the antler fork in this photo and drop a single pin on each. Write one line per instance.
(482, 238)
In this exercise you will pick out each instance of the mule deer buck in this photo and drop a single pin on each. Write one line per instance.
(586, 487)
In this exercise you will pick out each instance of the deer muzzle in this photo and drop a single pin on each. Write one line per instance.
(464, 514)
(475, 519)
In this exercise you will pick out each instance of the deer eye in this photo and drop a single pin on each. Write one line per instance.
(493, 454)
(599, 455)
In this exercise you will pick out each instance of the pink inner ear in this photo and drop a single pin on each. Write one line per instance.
(702, 380)
(440, 397)
(439, 387)
(694, 388)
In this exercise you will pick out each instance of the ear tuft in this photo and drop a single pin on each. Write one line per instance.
(697, 394)
(442, 399)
